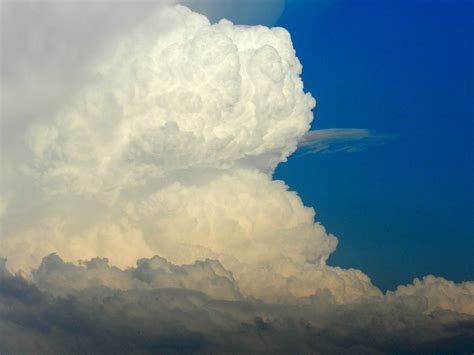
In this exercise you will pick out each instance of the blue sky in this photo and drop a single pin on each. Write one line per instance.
(402, 68)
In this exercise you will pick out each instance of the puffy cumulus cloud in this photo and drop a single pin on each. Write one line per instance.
(245, 220)
(106, 310)
(197, 96)
(271, 244)
(209, 277)
(432, 293)
(104, 238)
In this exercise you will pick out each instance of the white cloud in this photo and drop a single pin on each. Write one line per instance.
(169, 149)
(431, 293)
(198, 96)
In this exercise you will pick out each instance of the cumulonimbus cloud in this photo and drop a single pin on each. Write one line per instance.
(200, 112)
(168, 149)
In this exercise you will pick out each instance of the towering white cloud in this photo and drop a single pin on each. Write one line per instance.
(172, 145)
(197, 96)
(168, 149)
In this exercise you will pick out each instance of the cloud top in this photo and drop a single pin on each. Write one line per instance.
(198, 96)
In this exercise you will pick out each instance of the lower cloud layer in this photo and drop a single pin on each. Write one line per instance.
(160, 307)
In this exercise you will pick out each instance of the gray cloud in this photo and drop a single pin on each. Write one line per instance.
(94, 318)
(336, 140)
(209, 277)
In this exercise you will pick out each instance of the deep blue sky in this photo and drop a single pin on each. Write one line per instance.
(403, 209)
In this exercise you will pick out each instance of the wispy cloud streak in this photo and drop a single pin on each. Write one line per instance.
(337, 140)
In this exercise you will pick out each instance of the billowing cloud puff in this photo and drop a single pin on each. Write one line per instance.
(209, 277)
(432, 293)
(195, 97)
